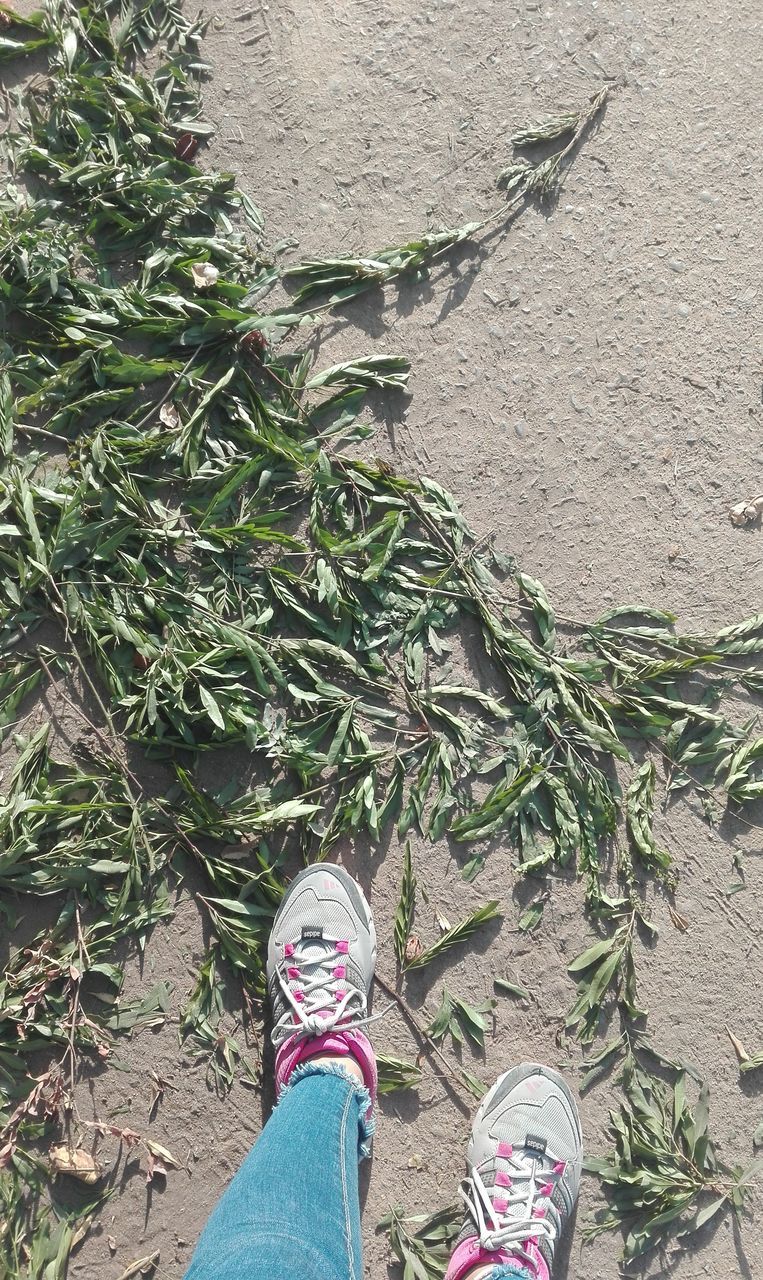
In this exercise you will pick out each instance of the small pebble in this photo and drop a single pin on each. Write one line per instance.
(521, 428)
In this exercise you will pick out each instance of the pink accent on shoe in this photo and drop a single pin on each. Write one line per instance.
(299, 995)
(343, 948)
(539, 1211)
(499, 1205)
(288, 948)
(505, 1151)
(339, 995)
(560, 1166)
(338, 1043)
(340, 971)
(546, 1190)
(470, 1253)
(502, 1180)
(293, 972)
(536, 1259)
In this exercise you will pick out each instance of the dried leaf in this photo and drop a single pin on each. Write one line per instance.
(413, 950)
(158, 1160)
(746, 512)
(169, 415)
(205, 275)
(144, 1267)
(75, 1163)
(186, 146)
(162, 1153)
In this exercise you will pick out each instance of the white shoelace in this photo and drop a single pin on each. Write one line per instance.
(498, 1230)
(319, 1011)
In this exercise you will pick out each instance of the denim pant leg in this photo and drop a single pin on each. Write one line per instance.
(292, 1212)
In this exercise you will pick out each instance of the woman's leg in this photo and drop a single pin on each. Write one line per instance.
(292, 1211)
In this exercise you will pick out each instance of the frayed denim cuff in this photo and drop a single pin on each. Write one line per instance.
(366, 1120)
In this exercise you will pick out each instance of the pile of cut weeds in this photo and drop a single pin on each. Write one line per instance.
(196, 540)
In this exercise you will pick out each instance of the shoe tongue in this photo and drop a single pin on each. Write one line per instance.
(313, 948)
(534, 1147)
(533, 1159)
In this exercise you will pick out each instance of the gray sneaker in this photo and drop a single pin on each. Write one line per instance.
(321, 956)
(524, 1162)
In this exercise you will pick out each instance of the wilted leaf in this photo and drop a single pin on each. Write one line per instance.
(143, 1267)
(746, 512)
(205, 275)
(75, 1163)
(461, 1019)
(662, 1165)
(186, 146)
(169, 415)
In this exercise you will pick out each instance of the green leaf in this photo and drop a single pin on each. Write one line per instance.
(211, 707)
(661, 1165)
(543, 614)
(639, 817)
(532, 915)
(511, 988)
(406, 907)
(592, 955)
(396, 1074)
(150, 1011)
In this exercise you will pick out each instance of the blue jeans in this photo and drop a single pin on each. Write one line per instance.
(292, 1212)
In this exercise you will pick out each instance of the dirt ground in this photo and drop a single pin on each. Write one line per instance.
(590, 387)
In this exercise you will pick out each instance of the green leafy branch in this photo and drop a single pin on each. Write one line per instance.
(663, 1178)
(422, 1242)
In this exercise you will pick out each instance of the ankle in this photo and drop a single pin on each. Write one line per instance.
(485, 1269)
(504, 1264)
(346, 1061)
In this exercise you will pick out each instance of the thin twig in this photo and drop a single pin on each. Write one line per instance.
(150, 413)
(453, 1074)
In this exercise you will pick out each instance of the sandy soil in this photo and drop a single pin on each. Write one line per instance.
(589, 387)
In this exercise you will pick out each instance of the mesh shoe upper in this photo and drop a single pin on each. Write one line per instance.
(524, 1162)
(321, 955)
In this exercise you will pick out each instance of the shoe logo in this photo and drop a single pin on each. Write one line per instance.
(311, 932)
(533, 1143)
